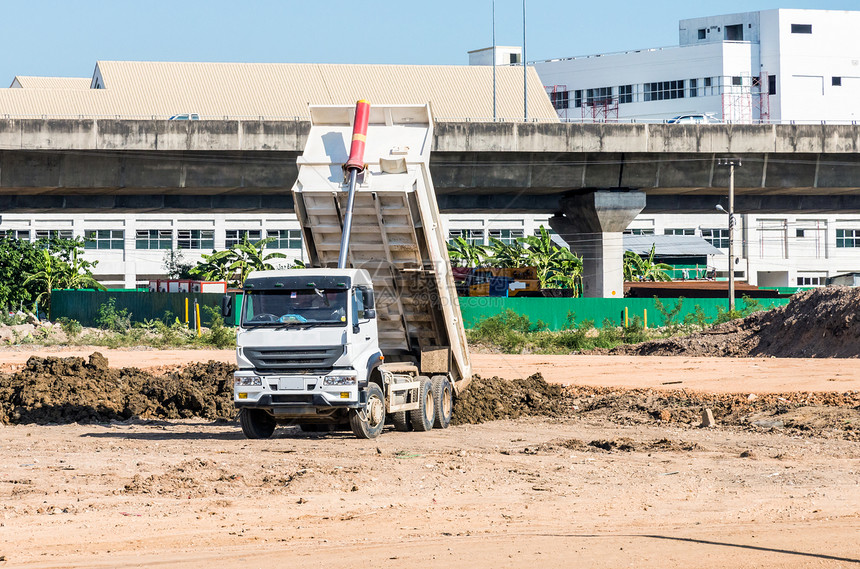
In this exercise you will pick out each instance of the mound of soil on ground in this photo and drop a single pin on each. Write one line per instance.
(820, 323)
(496, 398)
(64, 390)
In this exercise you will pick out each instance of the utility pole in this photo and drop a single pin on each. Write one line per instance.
(731, 163)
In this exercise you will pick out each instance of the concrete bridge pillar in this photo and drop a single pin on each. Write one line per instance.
(593, 224)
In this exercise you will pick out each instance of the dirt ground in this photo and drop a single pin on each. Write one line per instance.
(612, 472)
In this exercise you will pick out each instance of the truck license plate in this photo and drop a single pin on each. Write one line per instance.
(292, 383)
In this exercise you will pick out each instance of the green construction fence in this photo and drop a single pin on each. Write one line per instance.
(559, 313)
(83, 305)
(556, 313)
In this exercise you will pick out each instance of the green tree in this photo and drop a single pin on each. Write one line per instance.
(637, 268)
(17, 258)
(53, 271)
(465, 254)
(507, 255)
(236, 263)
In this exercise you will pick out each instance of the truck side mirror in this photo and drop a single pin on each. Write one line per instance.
(368, 300)
(369, 313)
(226, 306)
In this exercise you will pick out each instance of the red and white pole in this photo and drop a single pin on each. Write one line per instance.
(354, 165)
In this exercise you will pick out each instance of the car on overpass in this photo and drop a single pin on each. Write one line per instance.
(699, 118)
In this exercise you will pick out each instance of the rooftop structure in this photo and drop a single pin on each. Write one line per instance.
(272, 91)
(768, 66)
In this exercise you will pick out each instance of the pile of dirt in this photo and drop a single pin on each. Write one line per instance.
(64, 390)
(825, 414)
(496, 398)
(819, 323)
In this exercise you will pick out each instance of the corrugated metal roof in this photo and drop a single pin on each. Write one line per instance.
(27, 82)
(284, 90)
(669, 245)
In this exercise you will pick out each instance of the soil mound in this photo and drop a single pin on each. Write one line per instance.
(64, 390)
(820, 323)
(496, 398)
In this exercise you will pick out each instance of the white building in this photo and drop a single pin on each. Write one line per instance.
(768, 66)
(799, 66)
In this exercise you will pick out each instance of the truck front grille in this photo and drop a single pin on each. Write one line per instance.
(307, 399)
(277, 360)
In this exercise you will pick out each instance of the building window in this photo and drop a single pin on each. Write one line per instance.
(53, 234)
(625, 94)
(735, 32)
(506, 236)
(737, 81)
(663, 90)
(719, 238)
(836, 81)
(647, 231)
(236, 236)
(771, 84)
(20, 234)
(560, 99)
(801, 28)
(472, 236)
(846, 238)
(599, 96)
(577, 98)
(153, 239)
(514, 58)
(104, 239)
(285, 238)
(810, 281)
(800, 233)
(701, 33)
(548, 230)
(694, 87)
(684, 231)
(195, 239)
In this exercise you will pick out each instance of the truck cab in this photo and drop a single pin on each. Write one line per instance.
(306, 348)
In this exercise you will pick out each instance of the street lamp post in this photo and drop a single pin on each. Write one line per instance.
(731, 163)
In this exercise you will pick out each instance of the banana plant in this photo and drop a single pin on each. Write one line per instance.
(465, 254)
(637, 268)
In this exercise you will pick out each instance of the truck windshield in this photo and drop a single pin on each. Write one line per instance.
(307, 306)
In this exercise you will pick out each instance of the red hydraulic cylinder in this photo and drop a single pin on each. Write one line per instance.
(359, 136)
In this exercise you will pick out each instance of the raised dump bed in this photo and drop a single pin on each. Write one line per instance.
(397, 234)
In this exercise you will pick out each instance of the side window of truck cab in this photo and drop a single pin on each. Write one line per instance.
(357, 305)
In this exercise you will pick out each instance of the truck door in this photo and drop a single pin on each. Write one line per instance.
(363, 328)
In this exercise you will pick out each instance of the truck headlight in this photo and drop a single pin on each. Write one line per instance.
(246, 381)
(339, 380)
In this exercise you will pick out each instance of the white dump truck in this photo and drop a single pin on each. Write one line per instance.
(372, 333)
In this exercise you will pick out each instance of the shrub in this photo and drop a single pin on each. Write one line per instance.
(71, 327)
(110, 318)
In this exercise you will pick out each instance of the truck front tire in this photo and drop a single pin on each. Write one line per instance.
(425, 415)
(443, 397)
(256, 423)
(374, 415)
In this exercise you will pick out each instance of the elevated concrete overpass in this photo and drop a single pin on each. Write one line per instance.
(595, 178)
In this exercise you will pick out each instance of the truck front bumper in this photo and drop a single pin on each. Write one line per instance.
(300, 400)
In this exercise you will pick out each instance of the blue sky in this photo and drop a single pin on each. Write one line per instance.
(66, 37)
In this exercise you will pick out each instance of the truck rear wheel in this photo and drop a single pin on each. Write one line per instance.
(256, 423)
(369, 423)
(443, 397)
(425, 415)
